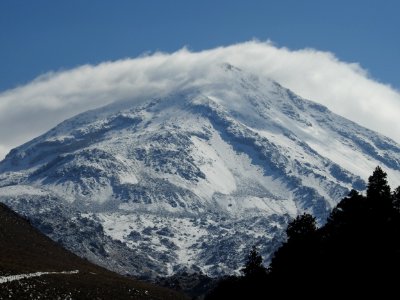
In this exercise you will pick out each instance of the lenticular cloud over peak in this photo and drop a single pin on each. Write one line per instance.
(345, 88)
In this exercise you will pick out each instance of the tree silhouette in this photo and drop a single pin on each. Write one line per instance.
(249, 286)
(301, 227)
(377, 185)
(296, 256)
(254, 266)
(356, 253)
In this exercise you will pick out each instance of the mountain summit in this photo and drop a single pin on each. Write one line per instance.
(190, 180)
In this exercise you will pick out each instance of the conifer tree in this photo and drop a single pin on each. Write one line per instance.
(254, 266)
(378, 186)
(304, 225)
(358, 248)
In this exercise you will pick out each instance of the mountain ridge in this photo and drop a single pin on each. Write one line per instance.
(180, 181)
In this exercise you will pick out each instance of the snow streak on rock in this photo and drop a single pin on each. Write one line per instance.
(4, 279)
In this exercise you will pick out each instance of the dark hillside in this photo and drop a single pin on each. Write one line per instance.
(24, 250)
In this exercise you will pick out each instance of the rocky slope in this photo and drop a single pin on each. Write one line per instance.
(190, 180)
(34, 267)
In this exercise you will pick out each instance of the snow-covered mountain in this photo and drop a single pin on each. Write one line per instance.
(192, 179)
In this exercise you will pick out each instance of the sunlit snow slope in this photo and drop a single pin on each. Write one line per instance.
(191, 180)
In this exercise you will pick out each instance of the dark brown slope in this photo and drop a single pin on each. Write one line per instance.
(24, 250)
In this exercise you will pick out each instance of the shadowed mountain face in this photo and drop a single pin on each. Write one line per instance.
(26, 251)
(191, 180)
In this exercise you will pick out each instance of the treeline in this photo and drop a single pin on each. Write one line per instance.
(356, 253)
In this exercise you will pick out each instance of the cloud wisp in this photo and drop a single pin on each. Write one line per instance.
(345, 88)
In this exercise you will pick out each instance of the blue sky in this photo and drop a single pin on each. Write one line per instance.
(342, 54)
(44, 35)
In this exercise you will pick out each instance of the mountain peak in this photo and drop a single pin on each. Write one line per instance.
(185, 177)
(228, 67)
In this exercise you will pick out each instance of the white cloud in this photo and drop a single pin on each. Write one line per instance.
(345, 88)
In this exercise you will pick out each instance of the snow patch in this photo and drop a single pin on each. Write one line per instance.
(218, 176)
(18, 190)
(10, 278)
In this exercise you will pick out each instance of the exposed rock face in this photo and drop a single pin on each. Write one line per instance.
(191, 180)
